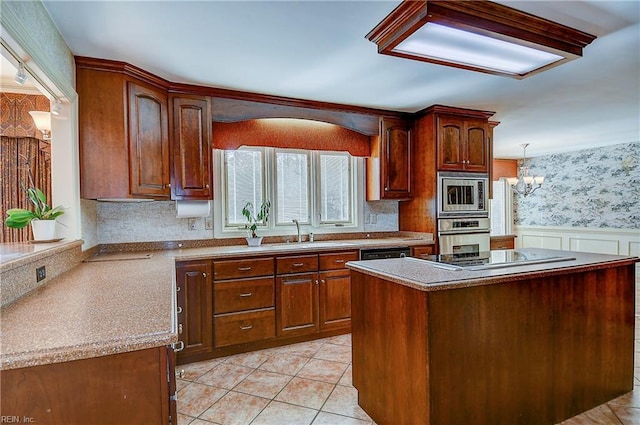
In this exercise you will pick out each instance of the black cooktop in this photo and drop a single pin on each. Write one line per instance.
(495, 259)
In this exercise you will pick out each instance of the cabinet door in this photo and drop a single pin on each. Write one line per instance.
(191, 148)
(195, 311)
(450, 143)
(297, 304)
(148, 141)
(103, 135)
(335, 299)
(396, 159)
(476, 146)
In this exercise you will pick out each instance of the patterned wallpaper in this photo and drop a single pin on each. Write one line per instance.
(15, 120)
(595, 188)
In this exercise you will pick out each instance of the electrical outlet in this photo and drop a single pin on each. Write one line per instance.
(192, 224)
(208, 223)
(41, 273)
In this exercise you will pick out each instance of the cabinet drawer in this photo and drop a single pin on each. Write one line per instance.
(239, 328)
(234, 269)
(422, 251)
(337, 260)
(239, 295)
(297, 264)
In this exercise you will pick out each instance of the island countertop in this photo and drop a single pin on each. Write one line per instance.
(424, 276)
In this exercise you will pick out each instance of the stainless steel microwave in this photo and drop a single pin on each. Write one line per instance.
(463, 194)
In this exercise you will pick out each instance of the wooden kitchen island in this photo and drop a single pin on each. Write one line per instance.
(530, 344)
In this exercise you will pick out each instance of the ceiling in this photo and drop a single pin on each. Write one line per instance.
(317, 50)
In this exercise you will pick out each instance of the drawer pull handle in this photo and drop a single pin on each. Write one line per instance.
(247, 294)
(244, 269)
(246, 328)
(298, 264)
(178, 346)
(179, 309)
(339, 261)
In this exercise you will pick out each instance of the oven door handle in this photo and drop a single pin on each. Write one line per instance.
(466, 232)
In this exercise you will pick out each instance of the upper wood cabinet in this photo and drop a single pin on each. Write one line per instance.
(124, 136)
(148, 141)
(191, 147)
(463, 144)
(389, 167)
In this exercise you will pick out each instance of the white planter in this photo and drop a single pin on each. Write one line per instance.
(43, 230)
(254, 241)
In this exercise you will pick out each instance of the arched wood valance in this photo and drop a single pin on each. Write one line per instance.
(290, 133)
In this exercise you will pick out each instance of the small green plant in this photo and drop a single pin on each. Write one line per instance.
(254, 218)
(18, 218)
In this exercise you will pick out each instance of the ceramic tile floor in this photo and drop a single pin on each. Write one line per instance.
(310, 383)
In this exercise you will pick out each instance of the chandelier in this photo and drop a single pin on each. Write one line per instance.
(525, 184)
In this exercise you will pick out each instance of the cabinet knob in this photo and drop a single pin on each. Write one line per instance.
(178, 289)
(179, 328)
(316, 281)
(204, 274)
(207, 186)
(180, 373)
(386, 189)
(179, 310)
(322, 281)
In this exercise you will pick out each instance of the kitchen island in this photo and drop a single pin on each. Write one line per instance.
(526, 344)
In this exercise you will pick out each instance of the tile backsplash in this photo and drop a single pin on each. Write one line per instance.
(595, 188)
(122, 222)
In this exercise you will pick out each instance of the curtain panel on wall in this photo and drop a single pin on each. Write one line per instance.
(19, 156)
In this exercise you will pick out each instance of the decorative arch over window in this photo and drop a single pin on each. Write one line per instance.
(290, 133)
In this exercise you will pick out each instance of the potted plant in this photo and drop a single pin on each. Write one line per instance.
(254, 218)
(42, 218)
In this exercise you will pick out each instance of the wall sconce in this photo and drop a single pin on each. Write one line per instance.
(477, 35)
(21, 75)
(43, 123)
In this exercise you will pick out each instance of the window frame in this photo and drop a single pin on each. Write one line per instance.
(221, 229)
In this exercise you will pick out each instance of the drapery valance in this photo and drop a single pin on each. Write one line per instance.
(290, 133)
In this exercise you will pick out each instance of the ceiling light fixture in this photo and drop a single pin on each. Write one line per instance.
(43, 123)
(525, 184)
(477, 35)
(21, 75)
(56, 106)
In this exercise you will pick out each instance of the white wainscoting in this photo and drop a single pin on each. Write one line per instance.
(601, 241)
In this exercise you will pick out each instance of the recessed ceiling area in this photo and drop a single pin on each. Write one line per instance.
(317, 50)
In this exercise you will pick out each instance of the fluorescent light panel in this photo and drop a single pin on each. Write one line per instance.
(439, 42)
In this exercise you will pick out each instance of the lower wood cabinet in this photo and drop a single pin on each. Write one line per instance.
(137, 387)
(297, 304)
(335, 299)
(195, 324)
(235, 305)
(502, 242)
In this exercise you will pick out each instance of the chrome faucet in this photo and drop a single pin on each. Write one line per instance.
(298, 228)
